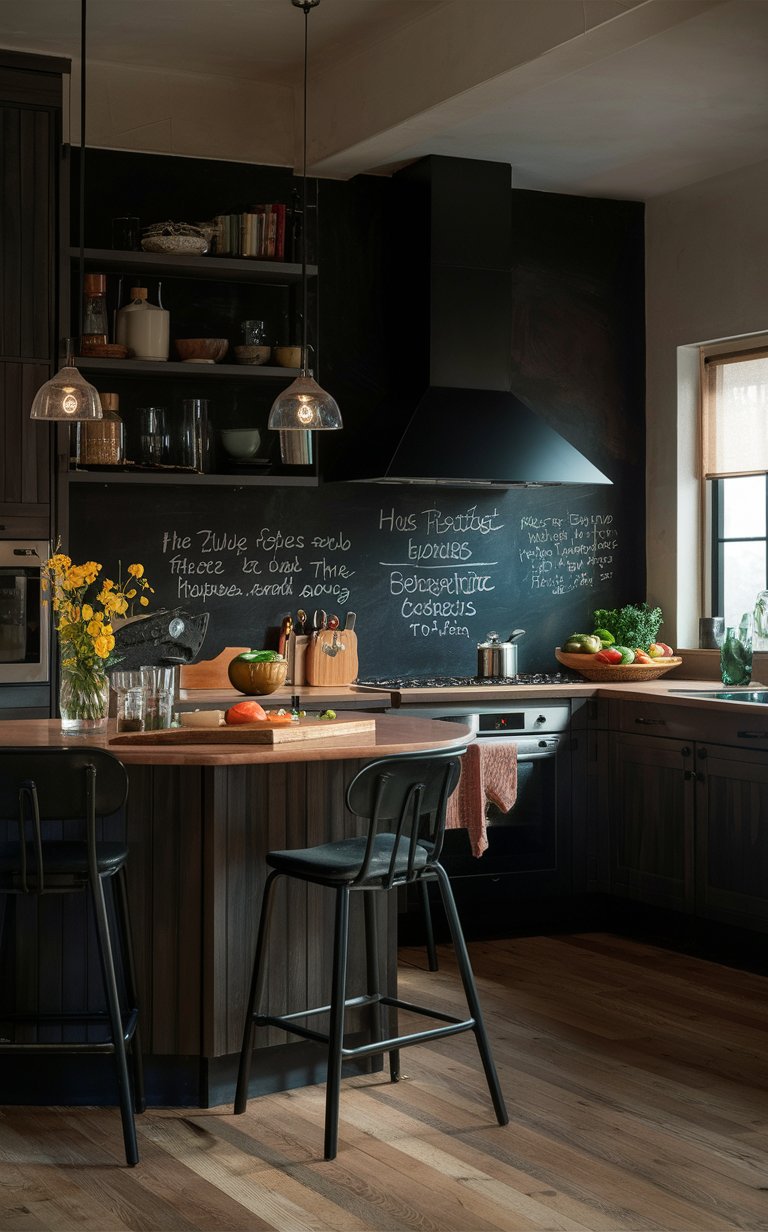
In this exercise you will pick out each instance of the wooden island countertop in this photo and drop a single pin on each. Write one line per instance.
(393, 734)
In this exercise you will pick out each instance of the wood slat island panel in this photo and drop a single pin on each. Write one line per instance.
(199, 823)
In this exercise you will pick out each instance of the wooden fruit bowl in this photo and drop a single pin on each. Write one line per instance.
(616, 673)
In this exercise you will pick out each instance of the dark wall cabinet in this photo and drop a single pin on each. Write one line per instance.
(30, 135)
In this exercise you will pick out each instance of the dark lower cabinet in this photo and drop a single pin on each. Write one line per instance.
(651, 832)
(732, 835)
(683, 825)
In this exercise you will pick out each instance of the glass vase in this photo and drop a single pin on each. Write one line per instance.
(736, 656)
(83, 700)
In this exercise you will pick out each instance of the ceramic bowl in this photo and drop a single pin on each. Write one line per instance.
(201, 350)
(252, 354)
(288, 356)
(241, 442)
(255, 679)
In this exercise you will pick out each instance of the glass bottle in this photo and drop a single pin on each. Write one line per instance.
(95, 316)
(100, 442)
(143, 328)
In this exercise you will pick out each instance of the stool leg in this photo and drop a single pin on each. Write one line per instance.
(129, 967)
(374, 980)
(336, 1028)
(115, 1016)
(430, 932)
(470, 991)
(254, 998)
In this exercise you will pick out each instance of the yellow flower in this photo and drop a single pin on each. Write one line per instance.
(130, 594)
(144, 601)
(102, 647)
(87, 611)
(136, 571)
(94, 628)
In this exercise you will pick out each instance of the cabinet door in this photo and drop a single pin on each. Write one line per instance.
(650, 820)
(27, 263)
(732, 835)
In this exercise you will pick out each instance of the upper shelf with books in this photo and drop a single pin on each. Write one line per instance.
(182, 265)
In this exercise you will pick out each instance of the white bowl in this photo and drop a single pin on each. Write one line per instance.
(241, 442)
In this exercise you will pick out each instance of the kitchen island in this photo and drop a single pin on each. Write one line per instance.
(199, 822)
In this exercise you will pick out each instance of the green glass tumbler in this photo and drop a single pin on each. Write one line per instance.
(736, 656)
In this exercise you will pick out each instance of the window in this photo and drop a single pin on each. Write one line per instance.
(735, 470)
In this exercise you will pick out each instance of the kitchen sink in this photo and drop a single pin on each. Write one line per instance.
(758, 696)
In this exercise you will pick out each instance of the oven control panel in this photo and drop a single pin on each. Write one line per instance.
(526, 719)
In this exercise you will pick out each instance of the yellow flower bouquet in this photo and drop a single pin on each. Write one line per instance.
(84, 624)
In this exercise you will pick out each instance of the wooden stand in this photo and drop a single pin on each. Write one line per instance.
(331, 657)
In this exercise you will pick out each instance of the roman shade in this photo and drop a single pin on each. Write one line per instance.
(734, 420)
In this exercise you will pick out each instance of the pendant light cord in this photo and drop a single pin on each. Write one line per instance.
(304, 355)
(81, 219)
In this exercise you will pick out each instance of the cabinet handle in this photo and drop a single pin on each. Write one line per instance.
(752, 735)
(688, 775)
(685, 751)
(652, 722)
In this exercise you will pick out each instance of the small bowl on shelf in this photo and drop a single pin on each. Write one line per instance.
(288, 356)
(201, 350)
(241, 443)
(252, 354)
(616, 673)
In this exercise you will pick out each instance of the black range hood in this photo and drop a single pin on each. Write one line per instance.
(454, 286)
(483, 438)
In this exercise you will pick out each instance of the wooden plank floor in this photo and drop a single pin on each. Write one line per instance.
(637, 1084)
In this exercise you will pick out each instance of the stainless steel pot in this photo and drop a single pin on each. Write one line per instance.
(497, 658)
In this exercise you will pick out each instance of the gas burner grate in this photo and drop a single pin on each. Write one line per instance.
(458, 682)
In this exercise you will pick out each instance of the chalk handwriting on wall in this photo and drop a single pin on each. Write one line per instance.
(206, 565)
(570, 552)
(440, 564)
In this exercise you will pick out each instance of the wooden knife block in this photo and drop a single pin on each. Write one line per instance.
(331, 657)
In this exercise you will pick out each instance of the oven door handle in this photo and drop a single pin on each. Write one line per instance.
(530, 754)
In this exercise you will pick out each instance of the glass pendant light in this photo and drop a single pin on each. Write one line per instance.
(68, 396)
(304, 406)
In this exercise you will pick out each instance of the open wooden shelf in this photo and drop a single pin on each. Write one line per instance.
(184, 265)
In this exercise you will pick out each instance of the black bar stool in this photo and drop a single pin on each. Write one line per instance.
(76, 785)
(403, 801)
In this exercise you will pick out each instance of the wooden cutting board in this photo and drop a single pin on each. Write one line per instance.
(331, 657)
(251, 733)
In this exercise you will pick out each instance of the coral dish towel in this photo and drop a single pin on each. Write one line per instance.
(488, 772)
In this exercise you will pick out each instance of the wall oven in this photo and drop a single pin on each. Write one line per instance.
(529, 847)
(24, 619)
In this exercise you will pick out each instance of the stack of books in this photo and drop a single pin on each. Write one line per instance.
(258, 233)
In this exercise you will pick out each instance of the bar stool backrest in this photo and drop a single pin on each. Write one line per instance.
(38, 785)
(405, 796)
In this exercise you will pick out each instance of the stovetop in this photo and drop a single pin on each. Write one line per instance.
(459, 682)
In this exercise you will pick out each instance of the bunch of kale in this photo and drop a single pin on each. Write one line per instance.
(633, 626)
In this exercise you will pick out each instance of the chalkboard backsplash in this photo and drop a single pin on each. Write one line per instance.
(429, 572)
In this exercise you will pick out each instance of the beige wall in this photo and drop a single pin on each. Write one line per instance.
(706, 263)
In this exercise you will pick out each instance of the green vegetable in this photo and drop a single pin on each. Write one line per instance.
(606, 637)
(327, 714)
(633, 625)
(627, 655)
(260, 656)
(582, 643)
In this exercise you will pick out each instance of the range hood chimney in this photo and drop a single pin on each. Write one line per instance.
(467, 427)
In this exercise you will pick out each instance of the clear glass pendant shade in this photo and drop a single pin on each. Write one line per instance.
(304, 406)
(67, 396)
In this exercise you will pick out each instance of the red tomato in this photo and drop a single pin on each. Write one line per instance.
(609, 655)
(245, 712)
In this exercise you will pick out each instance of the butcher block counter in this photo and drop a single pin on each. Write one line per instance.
(199, 822)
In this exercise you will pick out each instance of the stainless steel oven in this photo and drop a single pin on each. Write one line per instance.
(24, 618)
(529, 847)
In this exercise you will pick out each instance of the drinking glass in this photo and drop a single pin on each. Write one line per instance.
(131, 700)
(159, 692)
(736, 654)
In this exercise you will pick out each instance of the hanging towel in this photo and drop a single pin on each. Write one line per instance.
(488, 772)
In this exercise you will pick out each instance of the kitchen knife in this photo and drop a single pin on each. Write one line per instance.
(349, 623)
(286, 628)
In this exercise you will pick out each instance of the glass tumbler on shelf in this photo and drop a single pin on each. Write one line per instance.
(190, 450)
(736, 653)
(153, 436)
